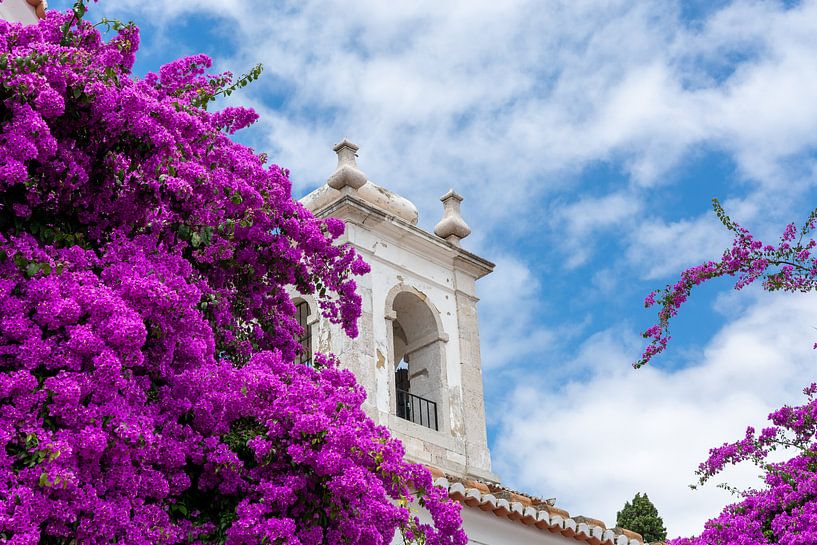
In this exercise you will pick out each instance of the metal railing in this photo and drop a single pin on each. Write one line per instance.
(417, 409)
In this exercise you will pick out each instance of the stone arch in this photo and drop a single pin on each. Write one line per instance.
(405, 288)
(419, 378)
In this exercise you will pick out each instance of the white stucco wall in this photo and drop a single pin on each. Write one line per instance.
(442, 279)
(485, 528)
(18, 11)
(371, 356)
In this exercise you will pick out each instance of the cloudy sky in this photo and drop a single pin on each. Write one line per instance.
(588, 138)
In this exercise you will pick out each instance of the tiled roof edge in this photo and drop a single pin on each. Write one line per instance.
(544, 519)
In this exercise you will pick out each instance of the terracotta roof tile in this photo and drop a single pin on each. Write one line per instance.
(630, 534)
(590, 521)
(532, 511)
(435, 472)
(482, 487)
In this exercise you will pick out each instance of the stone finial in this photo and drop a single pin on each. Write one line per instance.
(347, 173)
(452, 227)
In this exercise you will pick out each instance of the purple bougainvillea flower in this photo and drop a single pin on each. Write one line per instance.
(148, 393)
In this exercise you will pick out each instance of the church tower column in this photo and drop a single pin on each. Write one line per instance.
(477, 452)
(452, 227)
(417, 354)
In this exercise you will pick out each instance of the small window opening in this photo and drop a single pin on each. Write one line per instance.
(305, 339)
(417, 371)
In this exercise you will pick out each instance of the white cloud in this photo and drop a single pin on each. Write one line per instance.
(510, 101)
(579, 220)
(659, 248)
(509, 312)
(594, 443)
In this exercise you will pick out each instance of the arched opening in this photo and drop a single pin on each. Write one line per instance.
(418, 357)
(303, 314)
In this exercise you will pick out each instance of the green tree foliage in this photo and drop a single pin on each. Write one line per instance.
(641, 516)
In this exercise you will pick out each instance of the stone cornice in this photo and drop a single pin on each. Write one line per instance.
(358, 211)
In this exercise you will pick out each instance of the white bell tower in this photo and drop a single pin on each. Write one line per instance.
(418, 353)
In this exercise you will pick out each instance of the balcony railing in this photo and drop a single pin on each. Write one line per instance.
(417, 409)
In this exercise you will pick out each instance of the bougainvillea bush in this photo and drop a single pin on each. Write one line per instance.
(784, 510)
(147, 390)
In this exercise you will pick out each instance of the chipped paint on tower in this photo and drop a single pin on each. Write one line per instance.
(418, 352)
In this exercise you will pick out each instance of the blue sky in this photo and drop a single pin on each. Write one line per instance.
(588, 139)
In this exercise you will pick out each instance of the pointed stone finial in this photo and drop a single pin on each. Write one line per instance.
(452, 227)
(346, 173)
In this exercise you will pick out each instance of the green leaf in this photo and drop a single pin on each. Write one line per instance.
(207, 234)
(32, 441)
(181, 508)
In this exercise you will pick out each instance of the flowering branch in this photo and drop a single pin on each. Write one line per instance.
(789, 266)
(784, 511)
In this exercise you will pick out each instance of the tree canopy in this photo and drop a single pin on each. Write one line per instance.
(640, 515)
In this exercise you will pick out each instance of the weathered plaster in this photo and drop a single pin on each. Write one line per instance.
(419, 306)
(442, 277)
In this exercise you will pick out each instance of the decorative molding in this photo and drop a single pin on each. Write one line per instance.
(408, 236)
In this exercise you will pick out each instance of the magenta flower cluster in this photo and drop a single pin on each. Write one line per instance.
(148, 393)
(791, 265)
(785, 510)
